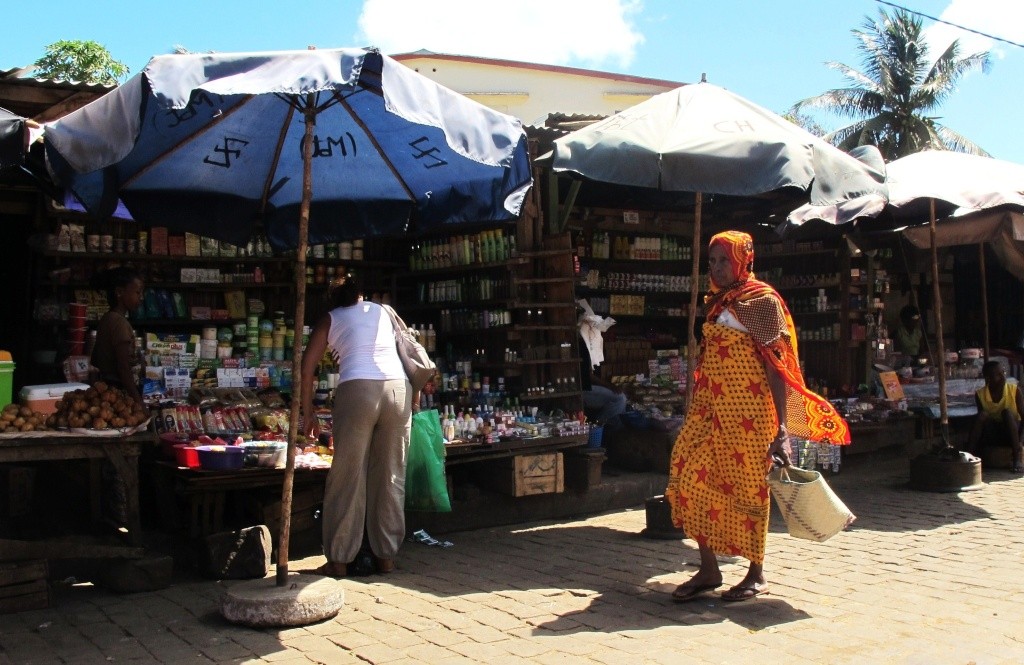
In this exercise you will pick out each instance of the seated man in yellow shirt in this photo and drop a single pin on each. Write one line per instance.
(1000, 406)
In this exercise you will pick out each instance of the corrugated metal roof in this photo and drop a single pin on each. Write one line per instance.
(45, 99)
(517, 64)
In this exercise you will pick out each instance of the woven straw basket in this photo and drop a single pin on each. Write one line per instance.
(811, 509)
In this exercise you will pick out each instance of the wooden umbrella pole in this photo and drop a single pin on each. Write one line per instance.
(298, 385)
(984, 298)
(940, 343)
(691, 319)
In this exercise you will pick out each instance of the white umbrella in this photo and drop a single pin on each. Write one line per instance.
(705, 139)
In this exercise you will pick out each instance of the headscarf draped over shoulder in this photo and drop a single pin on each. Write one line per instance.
(763, 312)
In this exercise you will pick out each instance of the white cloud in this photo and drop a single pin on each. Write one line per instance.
(589, 33)
(1002, 18)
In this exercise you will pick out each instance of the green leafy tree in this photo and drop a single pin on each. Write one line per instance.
(77, 60)
(805, 121)
(895, 95)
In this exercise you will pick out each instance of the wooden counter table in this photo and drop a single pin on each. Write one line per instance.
(121, 451)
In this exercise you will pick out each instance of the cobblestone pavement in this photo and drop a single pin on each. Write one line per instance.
(920, 578)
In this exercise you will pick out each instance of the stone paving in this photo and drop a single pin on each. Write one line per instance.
(920, 578)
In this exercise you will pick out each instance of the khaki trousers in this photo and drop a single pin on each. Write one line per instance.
(366, 483)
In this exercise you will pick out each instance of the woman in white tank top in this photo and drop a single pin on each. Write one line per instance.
(371, 419)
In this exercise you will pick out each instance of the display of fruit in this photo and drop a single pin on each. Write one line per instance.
(17, 418)
(100, 407)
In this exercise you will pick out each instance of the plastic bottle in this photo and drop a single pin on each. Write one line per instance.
(431, 344)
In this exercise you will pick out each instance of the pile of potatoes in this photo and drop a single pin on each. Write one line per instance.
(100, 407)
(17, 418)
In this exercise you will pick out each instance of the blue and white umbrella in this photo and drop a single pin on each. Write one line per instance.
(213, 144)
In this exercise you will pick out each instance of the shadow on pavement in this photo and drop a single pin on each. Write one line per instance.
(591, 578)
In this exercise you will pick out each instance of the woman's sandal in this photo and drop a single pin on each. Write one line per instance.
(740, 593)
(686, 592)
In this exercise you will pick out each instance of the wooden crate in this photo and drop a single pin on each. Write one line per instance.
(583, 468)
(23, 586)
(305, 501)
(526, 475)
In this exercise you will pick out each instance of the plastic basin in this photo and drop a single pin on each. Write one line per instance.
(266, 454)
(221, 458)
(186, 455)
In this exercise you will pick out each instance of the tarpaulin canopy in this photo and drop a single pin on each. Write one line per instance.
(1002, 229)
(13, 139)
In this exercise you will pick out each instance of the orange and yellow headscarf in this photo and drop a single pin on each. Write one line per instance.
(739, 248)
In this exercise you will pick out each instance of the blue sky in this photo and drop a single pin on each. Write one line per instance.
(773, 53)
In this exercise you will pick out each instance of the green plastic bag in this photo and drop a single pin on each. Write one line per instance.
(426, 488)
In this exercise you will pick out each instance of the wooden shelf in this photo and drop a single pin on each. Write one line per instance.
(124, 256)
(219, 286)
(518, 328)
(476, 304)
(539, 253)
(549, 361)
(543, 280)
(194, 286)
(640, 262)
(350, 263)
(470, 452)
(141, 323)
(761, 256)
(621, 292)
(655, 317)
(541, 305)
(833, 285)
(545, 396)
(473, 267)
(475, 331)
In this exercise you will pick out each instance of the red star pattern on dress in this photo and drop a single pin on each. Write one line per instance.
(723, 351)
(713, 490)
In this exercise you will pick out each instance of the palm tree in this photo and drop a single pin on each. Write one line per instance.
(893, 98)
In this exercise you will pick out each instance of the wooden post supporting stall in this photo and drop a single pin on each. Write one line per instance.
(691, 339)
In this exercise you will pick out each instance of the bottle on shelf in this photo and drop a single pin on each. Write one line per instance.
(431, 339)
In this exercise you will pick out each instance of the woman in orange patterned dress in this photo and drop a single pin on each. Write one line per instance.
(749, 397)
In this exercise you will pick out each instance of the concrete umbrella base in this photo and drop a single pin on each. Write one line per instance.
(304, 600)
